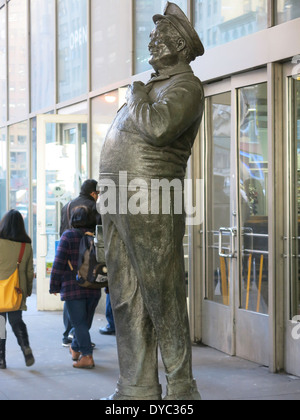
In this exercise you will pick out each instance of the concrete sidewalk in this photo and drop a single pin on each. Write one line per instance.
(219, 377)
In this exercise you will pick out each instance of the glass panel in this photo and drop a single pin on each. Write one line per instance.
(104, 110)
(253, 146)
(42, 53)
(17, 56)
(72, 48)
(287, 10)
(294, 259)
(3, 171)
(218, 197)
(144, 11)
(3, 116)
(19, 169)
(111, 50)
(221, 21)
(64, 145)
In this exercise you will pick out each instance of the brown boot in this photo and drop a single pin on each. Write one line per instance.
(75, 355)
(85, 362)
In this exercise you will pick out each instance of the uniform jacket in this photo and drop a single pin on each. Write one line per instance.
(153, 134)
(9, 253)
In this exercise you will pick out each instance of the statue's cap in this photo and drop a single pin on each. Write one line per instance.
(178, 19)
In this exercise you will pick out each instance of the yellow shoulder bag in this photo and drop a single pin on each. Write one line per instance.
(10, 292)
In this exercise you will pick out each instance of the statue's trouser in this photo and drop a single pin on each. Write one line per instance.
(147, 286)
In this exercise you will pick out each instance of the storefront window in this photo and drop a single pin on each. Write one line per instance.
(221, 21)
(3, 171)
(111, 42)
(72, 48)
(287, 10)
(144, 11)
(42, 53)
(19, 169)
(2, 66)
(104, 110)
(17, 58)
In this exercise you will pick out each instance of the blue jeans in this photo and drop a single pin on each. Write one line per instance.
(81, 313)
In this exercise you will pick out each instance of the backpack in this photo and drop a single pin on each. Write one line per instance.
(92, 273)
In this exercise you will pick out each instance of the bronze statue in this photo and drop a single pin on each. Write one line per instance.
(151, 139)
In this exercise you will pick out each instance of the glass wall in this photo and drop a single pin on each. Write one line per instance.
(42, 53)
(253, 146)
(287, 10)
(111, 41)
(3, 171)
(221, 21)
(19, 169)
(17, 59)
(72, 49)
(2, 65)
(104, 110)
(144, 10)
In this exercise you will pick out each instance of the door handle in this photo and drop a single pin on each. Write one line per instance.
(233, 233)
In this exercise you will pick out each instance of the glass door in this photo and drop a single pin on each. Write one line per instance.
(61, 169)
(235, 240)
(292, 224)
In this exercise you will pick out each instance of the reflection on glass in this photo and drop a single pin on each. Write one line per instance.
(2, 66)
(294, 257)
(19, 169)
(72, 48)
(218, 189)
(17, 56)
(221, 21)
(42, 53)
(3, 171)
(253, 146)
(104, 109)
(287, 10)
(144, 10)
(63, 181)
(111, 50)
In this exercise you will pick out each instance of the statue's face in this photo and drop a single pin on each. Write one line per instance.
(163, 51)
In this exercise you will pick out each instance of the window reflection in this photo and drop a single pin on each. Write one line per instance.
(42, 53)
(111, 41)
(219, 193)
(2, 66)
(17, 41)
(221, 21)
(72, 48)
(287, 10)
(253, 145)
(19, 169)
(144, 10)
(3, 171)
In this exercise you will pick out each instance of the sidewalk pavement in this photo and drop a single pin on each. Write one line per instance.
(219, 377)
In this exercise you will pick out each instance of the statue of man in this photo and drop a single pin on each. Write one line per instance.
(151, 139)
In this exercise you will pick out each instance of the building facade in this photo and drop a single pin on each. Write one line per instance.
(64, 69)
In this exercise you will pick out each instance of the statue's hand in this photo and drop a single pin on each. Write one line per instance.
(135, 88)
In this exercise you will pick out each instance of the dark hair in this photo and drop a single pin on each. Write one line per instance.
(88, 187)
(83, 217)
(12, 227)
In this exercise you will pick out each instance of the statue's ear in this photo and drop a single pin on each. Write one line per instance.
(181, 44)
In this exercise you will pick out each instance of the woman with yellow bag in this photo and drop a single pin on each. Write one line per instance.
(16, 278)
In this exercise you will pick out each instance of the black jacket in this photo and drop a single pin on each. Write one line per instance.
(82, 200)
